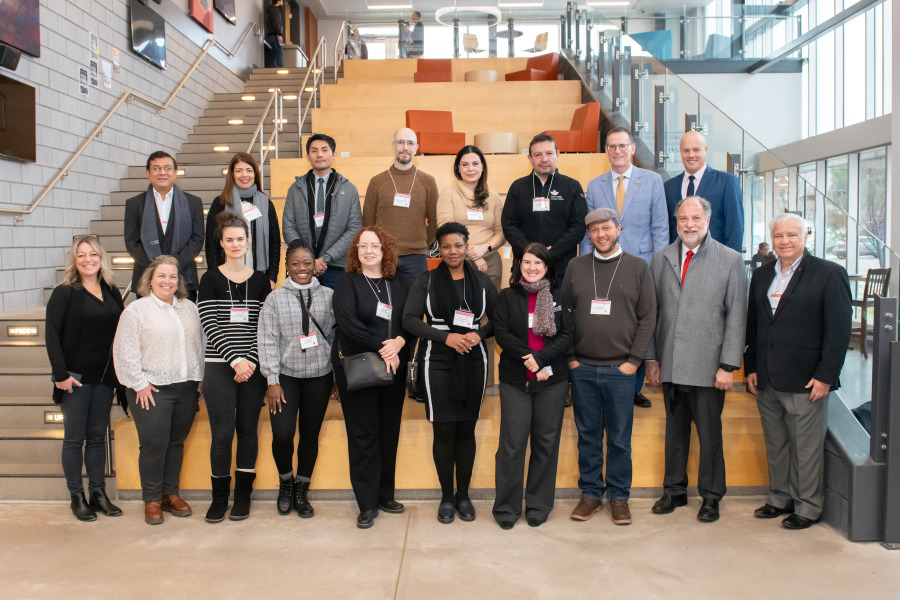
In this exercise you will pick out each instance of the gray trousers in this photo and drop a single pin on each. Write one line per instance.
(794, 429)
(161, 431)
(539, 415)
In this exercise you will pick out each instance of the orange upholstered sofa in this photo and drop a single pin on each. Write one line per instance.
(434, 128)
(538, 68)
(582, 137)
(433, 69)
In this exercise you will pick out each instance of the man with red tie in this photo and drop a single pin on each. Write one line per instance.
(701, 297)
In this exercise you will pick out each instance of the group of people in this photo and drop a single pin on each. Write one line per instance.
(659, 284)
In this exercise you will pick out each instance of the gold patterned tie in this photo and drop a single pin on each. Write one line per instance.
(620, 195)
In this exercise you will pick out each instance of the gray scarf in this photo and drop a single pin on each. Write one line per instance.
(150, 234)
(260, 201)
(542, 323)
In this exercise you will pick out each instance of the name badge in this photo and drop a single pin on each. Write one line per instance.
(530, 320)
(600, 307)
(462, 318)
(319, 219)
(549, 370)
(475, 214)
(384, 311)
(309, 341)
(252, 213)
(240, 315)
(402, 200)
(540, 205)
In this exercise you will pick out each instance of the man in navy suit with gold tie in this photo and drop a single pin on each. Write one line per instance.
(721, 190)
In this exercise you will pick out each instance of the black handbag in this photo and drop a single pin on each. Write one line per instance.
(366, 369)
(412, 374)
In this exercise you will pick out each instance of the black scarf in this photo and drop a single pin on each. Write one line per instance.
(465, 386)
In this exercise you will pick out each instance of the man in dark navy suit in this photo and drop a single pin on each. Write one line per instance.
(798, 329)
(721, 190)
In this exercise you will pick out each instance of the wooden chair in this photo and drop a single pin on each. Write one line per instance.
(876, 285)
(540, 43)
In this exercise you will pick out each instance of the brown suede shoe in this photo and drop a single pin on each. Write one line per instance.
(621, 514)
(153, 513)
(174, 504)
(586, 508)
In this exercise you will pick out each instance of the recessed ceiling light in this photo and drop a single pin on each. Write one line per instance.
(610, 3)
(388, 6)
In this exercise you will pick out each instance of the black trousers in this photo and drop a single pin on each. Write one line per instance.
(161, 431)
(232, 407)
(703, 406)
(85, 419)
(372, 418)
(306, 401)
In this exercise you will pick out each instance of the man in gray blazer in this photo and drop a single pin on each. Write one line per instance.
(638, 197)
(701, 294)
(322, 208)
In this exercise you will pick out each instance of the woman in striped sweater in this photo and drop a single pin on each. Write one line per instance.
(230, 299)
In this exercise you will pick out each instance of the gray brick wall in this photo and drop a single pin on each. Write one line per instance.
(31, 252)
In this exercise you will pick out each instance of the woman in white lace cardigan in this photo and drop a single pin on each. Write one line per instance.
(159, 357)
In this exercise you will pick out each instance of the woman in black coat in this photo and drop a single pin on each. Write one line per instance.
(82, 315)
(535, 331)
(453, 298)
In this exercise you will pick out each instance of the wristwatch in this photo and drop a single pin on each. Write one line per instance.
(727, 368)
(488, 247)
(326, 258)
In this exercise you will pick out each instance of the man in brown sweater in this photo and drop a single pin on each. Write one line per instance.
(612, 298)
(403, 202)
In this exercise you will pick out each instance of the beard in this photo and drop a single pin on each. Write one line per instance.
(404, 160)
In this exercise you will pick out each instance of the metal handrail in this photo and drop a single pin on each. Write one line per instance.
(317, 69)
(126, 97)
(273, 137)
(339, 47)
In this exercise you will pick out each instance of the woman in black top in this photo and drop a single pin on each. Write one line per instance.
(368, 306)
(233, 388)
(454, 361)
(535, 331)
(243, 195)
(82, 315)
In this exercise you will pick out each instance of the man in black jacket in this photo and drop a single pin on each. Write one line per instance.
(164, 220)
(798, 330)
(274, 25)
(545, 207)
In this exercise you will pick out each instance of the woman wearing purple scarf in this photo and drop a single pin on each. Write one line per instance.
(535, 331)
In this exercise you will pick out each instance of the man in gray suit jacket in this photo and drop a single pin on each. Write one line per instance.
(701, 294)
(638, 197)
(322, 208)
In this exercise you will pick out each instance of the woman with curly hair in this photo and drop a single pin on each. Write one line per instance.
(368, 306)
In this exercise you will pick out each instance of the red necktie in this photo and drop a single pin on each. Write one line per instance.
(687, 261)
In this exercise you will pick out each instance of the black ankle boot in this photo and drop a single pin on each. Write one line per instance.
(80, 508)
(221, 488)
(285, 495)
(100, 503)
(301, 502)
(243, 487)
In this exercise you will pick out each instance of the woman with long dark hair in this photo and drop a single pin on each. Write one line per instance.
(231, 296)
(82, 315)
(243, 196)
(453, 298)
(534, 329)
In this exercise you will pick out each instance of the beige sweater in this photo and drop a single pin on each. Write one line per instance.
(452, 205)
(406, 225)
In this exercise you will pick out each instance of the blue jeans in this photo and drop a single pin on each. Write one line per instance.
(331, 277)
(410, 266)
(603, 401)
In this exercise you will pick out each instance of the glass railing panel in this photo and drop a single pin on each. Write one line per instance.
(681, 108)
(724, 137)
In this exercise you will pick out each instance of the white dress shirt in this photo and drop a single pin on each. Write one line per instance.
(781, 282)
(686, 181)
(164, 207)
(615, 179)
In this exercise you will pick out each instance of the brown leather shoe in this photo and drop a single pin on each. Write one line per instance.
(621, 514)
(153, 513)
(173, 503)
(586, 508)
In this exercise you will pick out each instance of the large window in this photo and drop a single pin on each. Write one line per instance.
(872, 209)
(836, 209)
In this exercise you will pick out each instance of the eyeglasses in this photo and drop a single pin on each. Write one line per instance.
(157, 168)
(622, 147)
(86, 236)
(365, 247)
(409, 143)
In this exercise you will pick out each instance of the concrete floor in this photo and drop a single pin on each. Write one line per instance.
(46, 553)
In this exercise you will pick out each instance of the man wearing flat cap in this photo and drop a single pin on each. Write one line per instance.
(613, 302)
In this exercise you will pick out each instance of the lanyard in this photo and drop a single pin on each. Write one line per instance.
(246, 288)
(306, 313)
(415, 173)
(533, 190)
(466, 302)
(594, 273)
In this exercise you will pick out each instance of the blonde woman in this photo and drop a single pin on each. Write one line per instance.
(82, 315)
(159, 357)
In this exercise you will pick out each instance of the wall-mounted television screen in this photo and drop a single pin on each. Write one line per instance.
(17, 138)
(148, 33)
(226, 9)
(20, 25)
